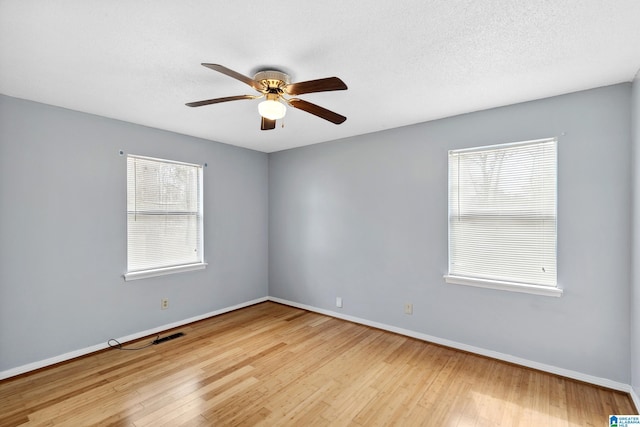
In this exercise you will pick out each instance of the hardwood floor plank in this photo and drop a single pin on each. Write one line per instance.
(273, 365)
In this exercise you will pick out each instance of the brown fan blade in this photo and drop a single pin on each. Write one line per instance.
(317, 110)
(218, 100)
(244, 79)
(320, 85)
(267, 124)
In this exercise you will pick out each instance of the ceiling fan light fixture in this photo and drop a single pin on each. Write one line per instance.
(272, 110)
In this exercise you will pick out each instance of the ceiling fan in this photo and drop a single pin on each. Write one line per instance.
(273, 85)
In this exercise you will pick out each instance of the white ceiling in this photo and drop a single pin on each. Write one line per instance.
(404, 61)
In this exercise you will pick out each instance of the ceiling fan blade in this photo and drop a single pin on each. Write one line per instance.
(317, 110)
(320, 85)
(244, 79)
(218, 100)
(267, 124)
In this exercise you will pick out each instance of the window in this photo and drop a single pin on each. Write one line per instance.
(502, 217)
(164, 217)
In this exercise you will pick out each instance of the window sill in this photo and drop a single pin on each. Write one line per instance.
(549, 291)
(135, 275)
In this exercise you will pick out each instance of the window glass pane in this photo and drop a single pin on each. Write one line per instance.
(502, 213)
(164, 214)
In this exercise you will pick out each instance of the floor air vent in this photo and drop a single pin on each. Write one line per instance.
(168, 338)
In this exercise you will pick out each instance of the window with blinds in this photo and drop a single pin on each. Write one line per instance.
(164, 217)
(502, 215)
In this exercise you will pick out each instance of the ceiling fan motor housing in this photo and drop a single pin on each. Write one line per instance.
(271, 79)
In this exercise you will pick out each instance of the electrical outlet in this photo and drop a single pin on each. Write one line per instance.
(408, 308)
(339, 302)
(164, 303)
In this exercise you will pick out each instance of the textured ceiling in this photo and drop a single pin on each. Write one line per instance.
(404, 61)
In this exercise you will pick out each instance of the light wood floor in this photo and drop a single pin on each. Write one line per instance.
(272, 365)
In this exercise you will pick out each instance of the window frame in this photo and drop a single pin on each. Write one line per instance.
(498, 284)
(162, 270)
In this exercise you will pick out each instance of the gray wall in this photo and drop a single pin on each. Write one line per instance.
(635, 284)
(362, 218)
(365, 218)
(63, 231)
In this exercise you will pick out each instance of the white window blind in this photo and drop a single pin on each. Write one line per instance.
(502, 213)
(164, 216)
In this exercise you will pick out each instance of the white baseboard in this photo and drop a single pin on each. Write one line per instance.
(602, 382)
(635, 398)
(87, 350)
